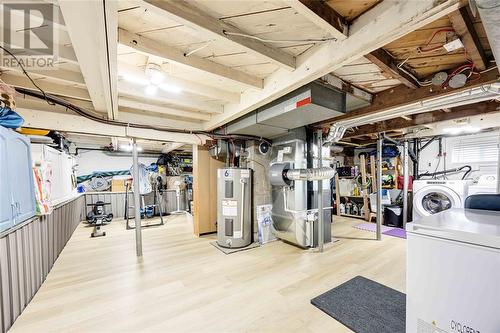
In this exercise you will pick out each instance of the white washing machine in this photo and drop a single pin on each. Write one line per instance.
(434, 196)
(486, 184)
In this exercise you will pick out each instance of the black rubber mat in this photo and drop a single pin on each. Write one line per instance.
(364, 305)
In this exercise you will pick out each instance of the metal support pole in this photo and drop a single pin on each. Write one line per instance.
(405, 183)
(379, 186)
(321, 222)
(137, 200)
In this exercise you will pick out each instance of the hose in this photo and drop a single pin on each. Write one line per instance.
(468, 167)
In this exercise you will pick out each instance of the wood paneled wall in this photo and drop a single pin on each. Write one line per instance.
(204, 191)
(27, 254)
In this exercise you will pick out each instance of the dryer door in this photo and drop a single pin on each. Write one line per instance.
(434, 199)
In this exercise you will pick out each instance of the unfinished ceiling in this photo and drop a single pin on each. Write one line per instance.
(219, 60)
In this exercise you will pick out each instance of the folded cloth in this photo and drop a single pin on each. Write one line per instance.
(9, 118)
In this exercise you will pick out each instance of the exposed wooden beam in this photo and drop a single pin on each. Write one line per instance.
(188, 15)
(192, 87)
(386, 64)
(92, 27)
(58, 76)
(148, 46)
(464, 27)
(64, 53)
(170, 146)
(426, 118)
(323, 16)
(130, 89)
(38, 114)
(63, 90)
(123, 102)
(372, 30)
(401, 96)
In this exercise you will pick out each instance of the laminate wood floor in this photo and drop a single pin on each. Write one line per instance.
(184, 284)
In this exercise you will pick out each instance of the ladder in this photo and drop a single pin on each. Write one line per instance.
(130, 209)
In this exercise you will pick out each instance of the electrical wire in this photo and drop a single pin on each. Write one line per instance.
(27, 75)
(264, 40)
(187, 54)
(81, 112)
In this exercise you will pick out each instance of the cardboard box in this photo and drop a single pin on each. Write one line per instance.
(118, 183)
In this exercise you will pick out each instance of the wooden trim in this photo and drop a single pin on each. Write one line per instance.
(386, 64)
(426, 118)
(464, 27)
(186, 14)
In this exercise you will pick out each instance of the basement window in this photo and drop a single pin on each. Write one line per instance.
(482, 150)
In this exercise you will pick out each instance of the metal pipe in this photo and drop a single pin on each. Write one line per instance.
(379, 186)
(405, 183)
(321, 222)
(137, 200)
(416, 149)
(428, 143)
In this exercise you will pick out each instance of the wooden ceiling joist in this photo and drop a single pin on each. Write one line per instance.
(43, 116)
(58, 76)
(386, 64)
(148, 46)
(186, 14)
(127, 88)
(374, 29)
(96, 48)
(64, 53)
(191, 87)
(464, 27)
(128, 103)
(426, 118)
(323, 16)
(63, 90)
(401, 96)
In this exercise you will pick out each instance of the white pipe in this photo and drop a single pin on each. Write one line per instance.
(473, 95)
(242, 207)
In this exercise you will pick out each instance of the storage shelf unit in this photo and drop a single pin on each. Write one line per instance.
(364, 192)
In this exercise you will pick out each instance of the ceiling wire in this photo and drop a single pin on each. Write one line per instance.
(264, 40)
(27, 75)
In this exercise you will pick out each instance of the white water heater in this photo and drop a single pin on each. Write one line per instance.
(234, 207)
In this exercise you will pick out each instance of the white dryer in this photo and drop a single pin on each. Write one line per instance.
(434, 196)
(487, 184)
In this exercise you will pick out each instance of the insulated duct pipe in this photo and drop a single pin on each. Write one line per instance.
(489, 10)
(322, 173)
(469, 96)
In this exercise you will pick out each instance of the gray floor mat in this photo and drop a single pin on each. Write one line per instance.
(365, 306)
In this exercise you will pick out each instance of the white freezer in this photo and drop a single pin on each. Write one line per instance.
(453, 272)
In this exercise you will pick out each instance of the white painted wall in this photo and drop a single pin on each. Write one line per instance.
(91, 161)
(429, 160)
